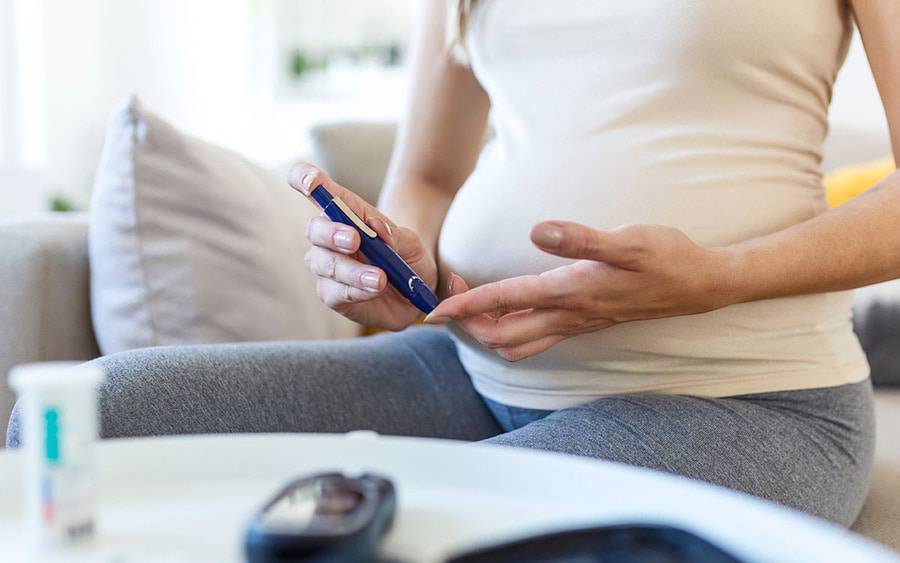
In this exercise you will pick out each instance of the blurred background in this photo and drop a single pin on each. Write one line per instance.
(251, 75)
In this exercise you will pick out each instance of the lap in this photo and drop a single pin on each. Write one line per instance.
(810, 449)
(408, 383)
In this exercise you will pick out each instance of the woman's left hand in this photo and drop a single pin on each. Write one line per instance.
(634, 272)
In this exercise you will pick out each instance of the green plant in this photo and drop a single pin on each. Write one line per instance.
(60, 203)
(302, 63)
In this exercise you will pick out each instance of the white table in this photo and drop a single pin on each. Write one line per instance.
(189, 498)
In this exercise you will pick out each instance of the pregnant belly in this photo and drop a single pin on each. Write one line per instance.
(485, 236)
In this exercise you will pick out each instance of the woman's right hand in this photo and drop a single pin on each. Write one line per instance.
(345, 281)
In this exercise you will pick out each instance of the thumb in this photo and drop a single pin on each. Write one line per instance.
(573, 240)
(383, 228)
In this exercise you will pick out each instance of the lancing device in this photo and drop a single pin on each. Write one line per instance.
(400, 275)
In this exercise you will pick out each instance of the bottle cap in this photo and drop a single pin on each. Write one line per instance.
(53, 376)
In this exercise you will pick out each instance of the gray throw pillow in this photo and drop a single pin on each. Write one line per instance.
(190, 243)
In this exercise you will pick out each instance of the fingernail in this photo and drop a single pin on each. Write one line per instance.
(370, 280)
(450, 282)
(378, 226)
(548, 236)
(436, 320)
(377, 223)
(306, 182)
(343, 239)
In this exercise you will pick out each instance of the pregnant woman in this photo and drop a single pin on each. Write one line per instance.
(638, 266)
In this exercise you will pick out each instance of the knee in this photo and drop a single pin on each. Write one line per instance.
(141, 393)
(140, 388)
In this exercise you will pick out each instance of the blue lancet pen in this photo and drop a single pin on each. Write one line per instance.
(400, 275)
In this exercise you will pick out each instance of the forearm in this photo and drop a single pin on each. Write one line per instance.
(854, 245)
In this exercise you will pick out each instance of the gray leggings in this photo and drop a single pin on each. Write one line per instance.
(811, 449)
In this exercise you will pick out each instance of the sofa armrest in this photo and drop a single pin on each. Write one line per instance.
(45, 310)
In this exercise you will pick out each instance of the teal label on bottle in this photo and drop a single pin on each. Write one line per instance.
(51, 435)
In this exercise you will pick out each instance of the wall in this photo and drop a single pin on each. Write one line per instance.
(855, 102)
(187, 61)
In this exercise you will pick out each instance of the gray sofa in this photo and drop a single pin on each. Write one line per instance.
(45, 308)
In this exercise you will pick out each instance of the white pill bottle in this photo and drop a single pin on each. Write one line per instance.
(59, 424)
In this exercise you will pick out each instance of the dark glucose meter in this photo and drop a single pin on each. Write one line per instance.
(324, 518)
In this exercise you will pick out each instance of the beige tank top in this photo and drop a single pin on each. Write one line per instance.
(707, 116)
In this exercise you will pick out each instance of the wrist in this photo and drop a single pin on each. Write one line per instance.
(730, 276)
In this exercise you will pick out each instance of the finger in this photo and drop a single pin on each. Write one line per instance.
(384, 230)
(513, 294)
(335, 294)
(408, 244)
(340, 268)
(325, 233)
(456, 285)
(522, 327)
(621, 246)
(529, 349)
(483, 328)
(304, 177)
(475, 325)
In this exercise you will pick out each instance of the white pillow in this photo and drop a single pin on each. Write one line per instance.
(190, 243)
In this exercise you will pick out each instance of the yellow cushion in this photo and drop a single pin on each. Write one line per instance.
(845, 183)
